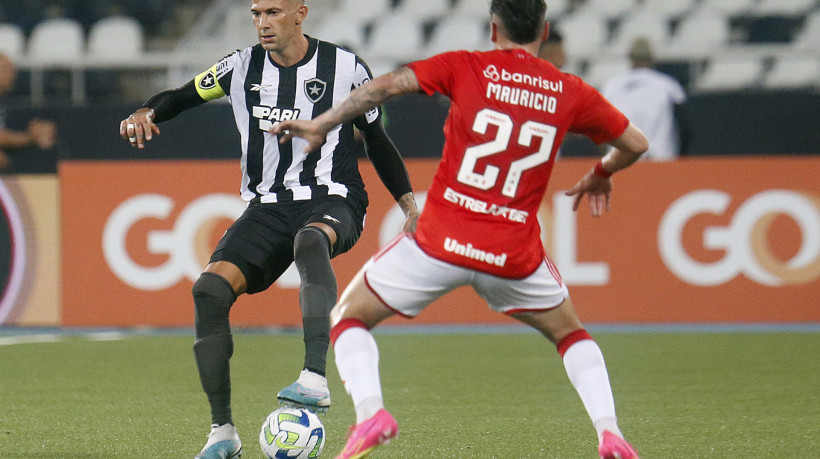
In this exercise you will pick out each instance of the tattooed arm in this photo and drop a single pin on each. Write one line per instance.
(367, 96)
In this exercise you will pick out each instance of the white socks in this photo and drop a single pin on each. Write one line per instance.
(586, 369)
(357, 359)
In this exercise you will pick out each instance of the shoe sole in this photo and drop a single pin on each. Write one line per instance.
(384, 439)
(294, 404)
(236, 455)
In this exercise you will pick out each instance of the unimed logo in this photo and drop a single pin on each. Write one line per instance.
(745, 240)
(183, 243)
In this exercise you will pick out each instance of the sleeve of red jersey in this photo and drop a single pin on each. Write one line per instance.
(596, 118)
(436, 74)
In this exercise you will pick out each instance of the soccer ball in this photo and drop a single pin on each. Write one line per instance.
(292, 433)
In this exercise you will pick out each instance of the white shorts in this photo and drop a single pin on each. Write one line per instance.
(406, 280)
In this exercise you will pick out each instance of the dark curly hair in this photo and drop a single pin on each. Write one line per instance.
(522, 19)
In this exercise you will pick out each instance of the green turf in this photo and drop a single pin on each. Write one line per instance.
(507, 396)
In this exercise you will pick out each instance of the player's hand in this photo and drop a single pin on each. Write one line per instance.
(43, 132)
(139, 127)
(308, 130)
(599, 190)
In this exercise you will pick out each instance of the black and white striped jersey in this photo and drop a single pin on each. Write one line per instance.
(262, 93)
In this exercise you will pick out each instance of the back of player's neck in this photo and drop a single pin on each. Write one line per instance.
(531, 48)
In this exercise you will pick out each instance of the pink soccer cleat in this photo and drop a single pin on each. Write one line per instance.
(615, 447)
(366, 436)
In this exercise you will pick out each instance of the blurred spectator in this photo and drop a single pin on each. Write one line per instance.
(40, 133)
(552, 50)
(652, 100)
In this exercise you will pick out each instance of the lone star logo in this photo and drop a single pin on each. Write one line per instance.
(208, 81)
(315, 89)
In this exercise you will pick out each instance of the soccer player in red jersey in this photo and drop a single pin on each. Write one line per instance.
(509, 112)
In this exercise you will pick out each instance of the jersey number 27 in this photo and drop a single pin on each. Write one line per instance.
(530, 129)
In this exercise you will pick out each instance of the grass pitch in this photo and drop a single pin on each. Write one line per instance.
(732, 395)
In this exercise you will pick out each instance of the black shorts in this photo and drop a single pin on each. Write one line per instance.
(260, 241)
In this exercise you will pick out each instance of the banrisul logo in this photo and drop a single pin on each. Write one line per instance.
(12, 253)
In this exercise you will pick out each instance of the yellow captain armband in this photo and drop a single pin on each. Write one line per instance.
(207, 85)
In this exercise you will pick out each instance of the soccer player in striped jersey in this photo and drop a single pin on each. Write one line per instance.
(509, 112)
(304, 205)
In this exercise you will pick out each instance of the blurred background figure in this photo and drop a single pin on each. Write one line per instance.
(552, 50)
(652, 100)
(40, 133)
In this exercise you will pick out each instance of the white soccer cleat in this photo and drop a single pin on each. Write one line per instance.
(310, 391)
(223, 443)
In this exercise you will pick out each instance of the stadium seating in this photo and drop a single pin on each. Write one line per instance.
(423, 9)
(584, 34)
(116, 38)
(699, 35)
(784, 7)
(603, 69)
(608, 8)
(808, 39)
(238, 32)
(458, 32)
(373, 10)
(478, 9)
(729, 7)
(731, 73)
(379, 67)
(557, 8)
(343, 29)
(395, 36)
(60, 40)
(647, 23)
(12, 41)
(794, 72)
(672, 9)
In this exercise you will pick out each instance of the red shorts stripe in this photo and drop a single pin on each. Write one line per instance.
(572, 338)
(343, 325)
(553, 269)
(389, 245)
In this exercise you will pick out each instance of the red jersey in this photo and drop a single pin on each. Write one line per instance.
(509, 113)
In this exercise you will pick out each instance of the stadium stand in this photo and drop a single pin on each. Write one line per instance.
(696, 38)
(56, 41)
(671, 9)
(12, 41)
(472, 8)
(648, 23)
(793, 72)
(784, 7)
(116, 38)
(458, 32)
(808, 39)
(610, 9)
(375, 8)
(584, 34)
(395, 37)
(345, 29)
(731, 73)
(423, 9)
(699, 35)
(602, 69)
(729, 7)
